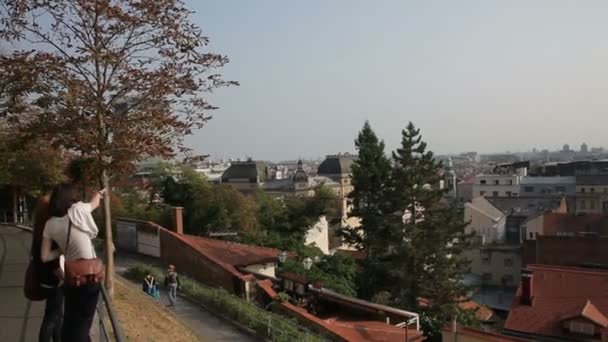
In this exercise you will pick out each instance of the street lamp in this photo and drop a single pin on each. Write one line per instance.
(307, 262)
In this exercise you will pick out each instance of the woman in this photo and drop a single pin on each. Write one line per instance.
(65, 210)
(50, 275)
(149, 285)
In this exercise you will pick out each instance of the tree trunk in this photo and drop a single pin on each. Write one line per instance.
(109, 241)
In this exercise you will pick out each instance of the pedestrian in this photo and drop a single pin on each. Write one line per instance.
(71, 227)
(50, 275)
(149, 286)
(172, 283)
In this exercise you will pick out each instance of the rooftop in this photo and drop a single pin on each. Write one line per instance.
(231, 255)
(336, 164)
(526, 206)
(479, 335)
(554, 223)
(558, 293)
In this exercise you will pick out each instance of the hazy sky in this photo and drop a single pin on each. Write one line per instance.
(473, 75)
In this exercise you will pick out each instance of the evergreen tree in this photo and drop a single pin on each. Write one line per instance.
(370, 174)
(425, 236)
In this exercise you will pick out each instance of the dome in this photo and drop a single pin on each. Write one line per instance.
(336, 165)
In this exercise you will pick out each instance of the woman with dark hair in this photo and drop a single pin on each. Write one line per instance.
(72, 227)
(50, 275)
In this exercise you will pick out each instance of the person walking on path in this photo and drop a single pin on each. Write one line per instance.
(172, 283)
(72, 228)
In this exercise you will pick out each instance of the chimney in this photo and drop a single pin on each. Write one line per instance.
(527, 287)
(178, 221)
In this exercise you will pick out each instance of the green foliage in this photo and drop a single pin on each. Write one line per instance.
(207, 208)
(336, 272)
(31, 166)
(219, 300)
(412, 237)
(371, 171)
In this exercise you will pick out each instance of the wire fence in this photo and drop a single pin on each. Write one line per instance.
(266, 324)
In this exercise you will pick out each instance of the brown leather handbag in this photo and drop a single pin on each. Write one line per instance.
(82, 272)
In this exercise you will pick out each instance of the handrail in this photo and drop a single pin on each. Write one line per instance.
(116, 328)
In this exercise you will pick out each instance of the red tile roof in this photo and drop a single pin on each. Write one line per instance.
(566, 223)
(348, 328)
(559, 292)
(231, 255)
(479, 334)
(590, 312)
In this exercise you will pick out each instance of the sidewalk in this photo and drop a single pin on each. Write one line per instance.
(205, 324)
(20, 318)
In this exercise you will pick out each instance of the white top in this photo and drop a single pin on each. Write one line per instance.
(83, 230)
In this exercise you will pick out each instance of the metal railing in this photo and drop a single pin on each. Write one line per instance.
(105, 310)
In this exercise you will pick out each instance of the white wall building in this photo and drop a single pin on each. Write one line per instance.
(485, 221)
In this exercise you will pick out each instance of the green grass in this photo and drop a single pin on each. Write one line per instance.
(266, 324)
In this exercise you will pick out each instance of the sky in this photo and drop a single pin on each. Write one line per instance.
(473, 75)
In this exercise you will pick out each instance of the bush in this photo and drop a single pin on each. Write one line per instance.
(264, 323)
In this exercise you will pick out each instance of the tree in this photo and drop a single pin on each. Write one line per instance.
(425, 235)
(115, 80)
(29, 168)
(370, 179)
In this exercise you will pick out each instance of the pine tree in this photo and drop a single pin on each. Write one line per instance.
(424, 236)
(370, 174)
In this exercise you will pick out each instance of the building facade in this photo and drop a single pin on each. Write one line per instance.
(592, 194)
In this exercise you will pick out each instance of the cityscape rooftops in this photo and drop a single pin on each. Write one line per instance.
(548, 180)
(592, 180)
(554, 295)
(526, 206)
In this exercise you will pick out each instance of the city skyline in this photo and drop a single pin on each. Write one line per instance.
(472, 75)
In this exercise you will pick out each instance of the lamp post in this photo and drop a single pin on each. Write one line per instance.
(282, 257)
(307, 262)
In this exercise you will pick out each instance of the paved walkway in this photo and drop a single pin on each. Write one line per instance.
(206, 325)
(20, 319)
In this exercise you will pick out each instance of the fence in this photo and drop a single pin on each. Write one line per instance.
(263, 322)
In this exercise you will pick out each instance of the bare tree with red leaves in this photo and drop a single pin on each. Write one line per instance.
(114, 80)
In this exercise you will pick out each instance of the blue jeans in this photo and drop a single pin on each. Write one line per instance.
(172, 293)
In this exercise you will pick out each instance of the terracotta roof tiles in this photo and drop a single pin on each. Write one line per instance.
(560, 292)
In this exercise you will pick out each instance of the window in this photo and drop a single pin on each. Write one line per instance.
(496, 182)
(592, 190)
(481, 193)
(531, 235)
(483, 181)
(508, 193)
(508, 262)
(591, 204)
(583, 204)
(507, 280)
(582, 328)
(529, 189)
(486, 257)
(495, 193)
(510, 182)
(583, 190)
(515, 194)
(561, 189)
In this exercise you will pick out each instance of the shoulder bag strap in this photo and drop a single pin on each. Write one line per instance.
(67, 242)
